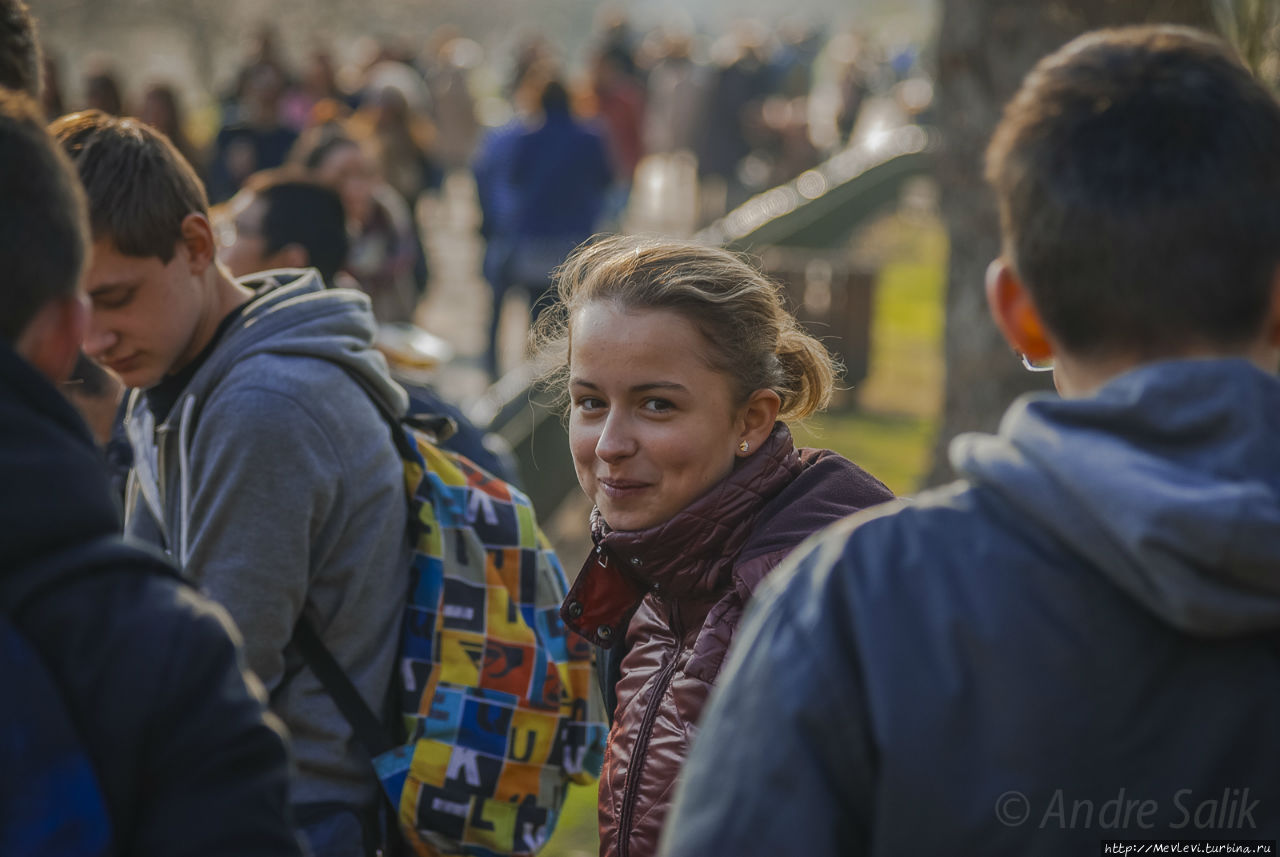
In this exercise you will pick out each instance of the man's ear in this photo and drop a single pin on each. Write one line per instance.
(756, 419)
(289, 256)
(1015, 314)
(197, 237)
(51, 341)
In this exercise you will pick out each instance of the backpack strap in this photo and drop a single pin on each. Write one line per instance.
(367, 726)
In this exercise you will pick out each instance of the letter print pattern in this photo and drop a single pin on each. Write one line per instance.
(499, 705)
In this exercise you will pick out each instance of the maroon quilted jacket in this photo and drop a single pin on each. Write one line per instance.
(674, 594)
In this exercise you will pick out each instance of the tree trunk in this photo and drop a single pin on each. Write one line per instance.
(984, 49)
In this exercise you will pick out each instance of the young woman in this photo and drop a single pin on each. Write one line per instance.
(681, 367)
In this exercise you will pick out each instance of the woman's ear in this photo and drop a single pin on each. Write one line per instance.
(755, 421)
(1015, 314)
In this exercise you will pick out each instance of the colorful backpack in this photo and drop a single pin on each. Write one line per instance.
(499, 705)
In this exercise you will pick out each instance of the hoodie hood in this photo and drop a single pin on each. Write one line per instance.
(54, 492)
(295, 314)
(1167, 480)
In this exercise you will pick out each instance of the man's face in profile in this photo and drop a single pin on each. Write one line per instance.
(143, 313)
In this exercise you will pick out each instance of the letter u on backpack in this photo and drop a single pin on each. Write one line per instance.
(498, 701)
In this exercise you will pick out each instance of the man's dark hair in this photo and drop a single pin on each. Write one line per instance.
(298, 210)
(43, 230)
(139, 187)
(555, 98)
(1137, 173)
(20, 60)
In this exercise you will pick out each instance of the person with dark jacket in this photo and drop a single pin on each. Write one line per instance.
(182, 756)
(558, 175)
(683, 366)
(1079, 642)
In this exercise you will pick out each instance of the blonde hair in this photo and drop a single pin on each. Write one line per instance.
(751, 336)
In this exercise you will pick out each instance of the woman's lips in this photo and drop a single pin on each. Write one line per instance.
(619, 488)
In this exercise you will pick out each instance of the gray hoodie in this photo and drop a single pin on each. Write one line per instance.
(275, 484)
(1161, 481)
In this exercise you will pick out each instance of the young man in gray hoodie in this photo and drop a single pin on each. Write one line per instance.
(261, 462)
(1079, 643)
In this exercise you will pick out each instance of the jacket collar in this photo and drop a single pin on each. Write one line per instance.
(691, 554)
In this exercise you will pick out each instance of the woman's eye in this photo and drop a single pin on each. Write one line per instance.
(589, 403)
(658, 405)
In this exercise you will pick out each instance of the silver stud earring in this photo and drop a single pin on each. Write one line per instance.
(744, 446)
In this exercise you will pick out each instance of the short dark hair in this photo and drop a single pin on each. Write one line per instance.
(43, 228)
(555, 98)
(299, 210)
(139, 186)
(20, 59)
(1137, 173)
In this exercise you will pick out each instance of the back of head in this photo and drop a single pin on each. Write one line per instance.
(20, 60)
(42, 217)
(1137, 173)
(751, 336)
(139, 187)
(555, 98)
(299, 210)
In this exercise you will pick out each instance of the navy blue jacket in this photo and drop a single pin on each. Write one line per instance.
(559, 173)
(188, 760)
(1080, 642)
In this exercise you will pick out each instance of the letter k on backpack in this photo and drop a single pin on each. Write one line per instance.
(498, 701)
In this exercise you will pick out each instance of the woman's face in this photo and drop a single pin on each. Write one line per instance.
(652, 426)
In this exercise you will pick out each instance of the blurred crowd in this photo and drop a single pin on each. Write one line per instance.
(743, 110)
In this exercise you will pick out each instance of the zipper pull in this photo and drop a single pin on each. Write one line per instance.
(602, 558)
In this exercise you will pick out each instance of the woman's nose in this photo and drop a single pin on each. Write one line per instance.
(616, 438)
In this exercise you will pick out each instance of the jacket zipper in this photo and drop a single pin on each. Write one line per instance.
(632, 782)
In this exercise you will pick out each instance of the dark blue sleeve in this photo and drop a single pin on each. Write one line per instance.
(782, 762)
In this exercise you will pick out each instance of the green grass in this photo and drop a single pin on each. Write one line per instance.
(891, 431)
(578, 833)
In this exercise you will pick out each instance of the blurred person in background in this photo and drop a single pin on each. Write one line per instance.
(681, 367)
(450, 59)
(162, 111)
(736, 88)
(102, 90)
(385, 251)
(674, 97)
(283, 218)
(20, 55)
(402, 143)
(256, 139)
(559, 174)
(618, 102)
(51, 98)
(319, 82)
(497, 197)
